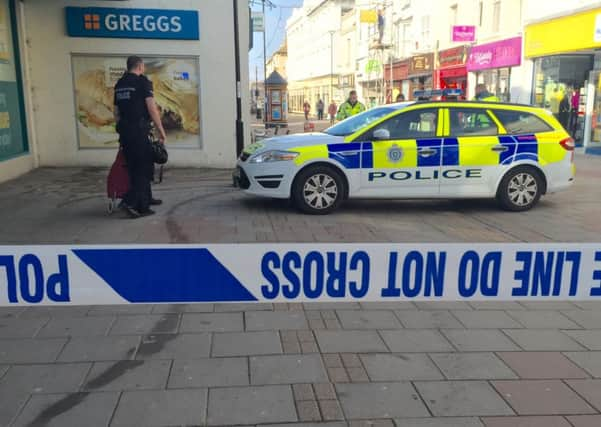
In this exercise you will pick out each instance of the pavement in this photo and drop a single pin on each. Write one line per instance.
(403, 364)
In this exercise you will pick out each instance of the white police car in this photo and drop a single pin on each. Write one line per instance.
(458, 149)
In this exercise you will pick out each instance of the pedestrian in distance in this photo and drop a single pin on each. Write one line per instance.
(482, 94)
(350, 107)
(380, 25)
(400, 98)
(306, 110)
(332, 109)
(134, 110)
(320, 108)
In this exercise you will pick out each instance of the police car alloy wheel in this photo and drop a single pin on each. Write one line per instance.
(520, 189)
(318, 190)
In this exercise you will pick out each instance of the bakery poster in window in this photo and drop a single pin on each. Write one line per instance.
(176, 91)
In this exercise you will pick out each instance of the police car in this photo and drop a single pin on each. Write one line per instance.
(424, 149)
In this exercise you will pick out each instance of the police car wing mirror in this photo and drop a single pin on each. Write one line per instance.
(381, 134)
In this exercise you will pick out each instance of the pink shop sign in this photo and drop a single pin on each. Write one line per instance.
(464, 33)
(504, 53)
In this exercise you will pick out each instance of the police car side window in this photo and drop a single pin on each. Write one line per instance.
(472, 122)
(516, 122)
(409, 125)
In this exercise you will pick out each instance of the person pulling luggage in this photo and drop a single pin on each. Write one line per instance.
(135, 108)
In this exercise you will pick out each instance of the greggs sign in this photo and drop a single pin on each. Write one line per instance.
(132, 23)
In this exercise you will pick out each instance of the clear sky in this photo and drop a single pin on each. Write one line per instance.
(275, 32)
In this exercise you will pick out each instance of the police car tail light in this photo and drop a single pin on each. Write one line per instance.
(274, 156)
(568, 144)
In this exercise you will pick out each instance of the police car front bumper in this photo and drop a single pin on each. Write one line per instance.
(266, 180)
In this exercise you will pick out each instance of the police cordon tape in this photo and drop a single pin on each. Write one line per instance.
(120, 274)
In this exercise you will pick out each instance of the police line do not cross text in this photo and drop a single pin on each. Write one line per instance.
(120, 274)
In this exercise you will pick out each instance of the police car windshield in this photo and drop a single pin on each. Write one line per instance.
(354, 123)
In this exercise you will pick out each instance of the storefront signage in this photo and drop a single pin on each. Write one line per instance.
(155, 274)
(400, 70)
(132, 23)
(454, 57)
(421, 64)
(597, 36)
(464, 33)
(504, 53)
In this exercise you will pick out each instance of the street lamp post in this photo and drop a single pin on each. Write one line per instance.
(331, 65)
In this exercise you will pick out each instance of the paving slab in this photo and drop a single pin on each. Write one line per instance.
(309, 306)
(174, 346)
(496, 305)
(12, 402)
(472, 366)
(21, 328)
(542, 397)
(590, 361)
(416, 341)
(531, 421)
(434, 319)
(113, 310)
(368, 319)
(128, 375)
(589, 389)
(77, 326)
(326, 424)
(400, 367)
(534, 319)
(83, 349)
(387, 305)
(479, 340)
(380, 400)
(442, 305)
(161, 408)
(146, 324)
(275, 320)
(46, 378)
(541, 365)
(54, 311)
(30, 350)
(591, 339)
(548, 305)
(287, 369)
(183, 308)
(589, 319)
(485, 319)
(251, 405)
(68, 410)
(462, 398)
(242, 307)
(585, 420)
(246, 343)
(212, 322)
(542, 340)
(218, 372)
(439, 422)
(350, 341)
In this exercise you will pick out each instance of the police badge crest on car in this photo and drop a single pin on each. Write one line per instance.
(395, 154)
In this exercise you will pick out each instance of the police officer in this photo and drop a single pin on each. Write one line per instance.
(134, 109)
(351, 107)
(482, 94)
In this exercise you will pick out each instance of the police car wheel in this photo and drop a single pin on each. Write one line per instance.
(318, 190)
(520, 189)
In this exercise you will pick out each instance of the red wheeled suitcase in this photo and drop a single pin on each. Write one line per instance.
(117, 183)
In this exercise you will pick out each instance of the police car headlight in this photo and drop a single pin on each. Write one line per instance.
(274, 156)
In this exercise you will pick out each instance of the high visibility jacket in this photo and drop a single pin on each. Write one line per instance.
(486, 97)
(347, 110)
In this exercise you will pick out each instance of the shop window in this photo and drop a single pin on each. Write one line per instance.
(471, 122)
(496, 17)
(412, 124)
(517, 122)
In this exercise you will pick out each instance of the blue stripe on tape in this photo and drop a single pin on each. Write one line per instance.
(165, 275)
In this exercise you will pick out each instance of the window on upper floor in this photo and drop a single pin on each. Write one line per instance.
(425, 35)
(496, 16)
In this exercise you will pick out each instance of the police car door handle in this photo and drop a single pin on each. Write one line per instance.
(348, 153)
(500, 148)
(426, 152)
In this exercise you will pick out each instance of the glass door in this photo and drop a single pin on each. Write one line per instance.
(593, 117)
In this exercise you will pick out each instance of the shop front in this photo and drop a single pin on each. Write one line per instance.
(566, 66)
(491, 63)
(398, 78)
(420, 75)
(451, 72)
(13, 134)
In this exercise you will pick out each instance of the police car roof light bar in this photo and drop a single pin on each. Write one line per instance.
(427, 95)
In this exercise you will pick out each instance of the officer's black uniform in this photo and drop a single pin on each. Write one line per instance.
(131, 92)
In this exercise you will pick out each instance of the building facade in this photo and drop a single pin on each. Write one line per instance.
(63, 77)
(278, 61)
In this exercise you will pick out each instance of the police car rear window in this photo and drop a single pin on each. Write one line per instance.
(516, 122)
